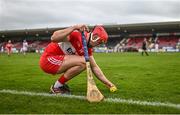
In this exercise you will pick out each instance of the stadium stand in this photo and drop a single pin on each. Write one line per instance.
(124, 37)
(134, 44)
(168, 41)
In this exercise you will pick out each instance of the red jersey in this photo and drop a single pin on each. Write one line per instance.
(73, 47)
(9, 45)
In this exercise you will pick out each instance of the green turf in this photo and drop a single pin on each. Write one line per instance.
(144, 78)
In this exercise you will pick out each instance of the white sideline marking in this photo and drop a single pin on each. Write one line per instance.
(110, 100)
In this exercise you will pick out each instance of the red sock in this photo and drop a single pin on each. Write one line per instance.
(62, 79)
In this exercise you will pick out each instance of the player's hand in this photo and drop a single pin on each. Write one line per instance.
(81, 27)
(113, 89)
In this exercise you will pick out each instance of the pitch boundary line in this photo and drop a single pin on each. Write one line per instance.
(110, 100)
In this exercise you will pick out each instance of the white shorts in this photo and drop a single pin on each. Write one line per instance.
(24, 49)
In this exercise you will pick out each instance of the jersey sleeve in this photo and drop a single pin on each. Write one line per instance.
(76, 40)
(73, 36)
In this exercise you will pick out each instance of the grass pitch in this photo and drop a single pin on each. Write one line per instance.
(154, 78)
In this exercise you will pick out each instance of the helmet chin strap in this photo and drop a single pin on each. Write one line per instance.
(90, 38)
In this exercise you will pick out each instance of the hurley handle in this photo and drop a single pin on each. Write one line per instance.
(86, 55)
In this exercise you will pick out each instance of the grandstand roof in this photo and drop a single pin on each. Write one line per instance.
(159, 27)
(112, 29)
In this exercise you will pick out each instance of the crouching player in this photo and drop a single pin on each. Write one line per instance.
(65, 55)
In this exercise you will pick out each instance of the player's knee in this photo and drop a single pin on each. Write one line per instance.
(82, 65)
(82, 62)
